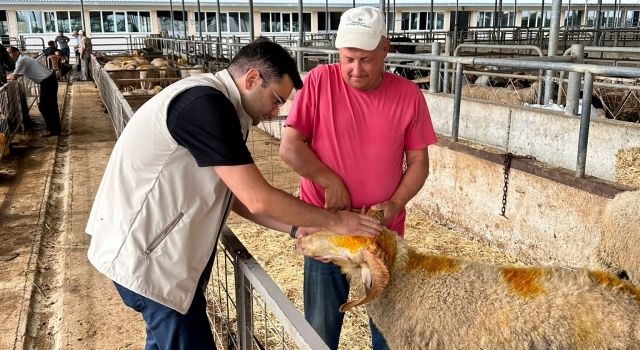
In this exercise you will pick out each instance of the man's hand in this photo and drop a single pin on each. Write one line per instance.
(12, 77)
(354, 224)
(389, 208)
(336, 195)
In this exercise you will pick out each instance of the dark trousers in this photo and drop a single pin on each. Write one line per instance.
(167, 329)
(48, 104)
(325, 289)
(78, 61)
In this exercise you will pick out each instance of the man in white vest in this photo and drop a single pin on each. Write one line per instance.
(177, 169)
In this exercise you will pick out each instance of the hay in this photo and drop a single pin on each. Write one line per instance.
(628, 167)
(505, 95)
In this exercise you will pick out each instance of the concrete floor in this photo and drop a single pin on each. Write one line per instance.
(50, 296)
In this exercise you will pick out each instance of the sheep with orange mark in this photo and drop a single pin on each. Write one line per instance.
(421, 301)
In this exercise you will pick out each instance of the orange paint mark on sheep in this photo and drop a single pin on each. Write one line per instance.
(431, 263)
(523, 281)
(351, 243)
(613, 282)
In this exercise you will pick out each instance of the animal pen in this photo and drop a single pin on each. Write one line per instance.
(248, 310)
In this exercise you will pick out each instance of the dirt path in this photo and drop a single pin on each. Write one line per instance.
(50, 296)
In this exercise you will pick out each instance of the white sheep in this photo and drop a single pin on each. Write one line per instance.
(421, 301)
(620, 236)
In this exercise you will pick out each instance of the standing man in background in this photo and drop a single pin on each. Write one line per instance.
(86, 49)
(347, 134)
(76, 48)
(63, 44)
(48, 102)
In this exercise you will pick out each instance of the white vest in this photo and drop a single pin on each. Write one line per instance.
(157, 214)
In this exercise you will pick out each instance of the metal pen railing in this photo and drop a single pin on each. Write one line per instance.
(589, 71)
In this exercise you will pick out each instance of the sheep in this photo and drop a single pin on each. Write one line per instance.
(505, 95)
(620, 236)
(421, 301)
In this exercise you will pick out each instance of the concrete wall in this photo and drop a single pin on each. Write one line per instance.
(549, 136)
(545, 221)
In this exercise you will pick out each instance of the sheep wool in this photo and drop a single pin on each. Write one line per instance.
(620, 236)
(421, 301)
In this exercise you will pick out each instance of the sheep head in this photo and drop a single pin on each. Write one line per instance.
(369, 258)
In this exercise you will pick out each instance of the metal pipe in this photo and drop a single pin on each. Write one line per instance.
(199, 20)
(300, 54)
(585, 118)
(434, 76)
(326, 16)
(573, 87)
(219, 27)
(431, 21)
(173, 29)
(184, 20)
(84, 24)
(553, 47)
(455, 124)
(596, 34)
(251, 24)
(382, 7)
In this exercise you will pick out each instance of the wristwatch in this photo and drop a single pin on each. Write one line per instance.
(293, 231)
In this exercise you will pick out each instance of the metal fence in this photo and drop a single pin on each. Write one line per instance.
(112, 99)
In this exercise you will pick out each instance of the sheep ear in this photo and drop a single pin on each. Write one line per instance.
(378, 280)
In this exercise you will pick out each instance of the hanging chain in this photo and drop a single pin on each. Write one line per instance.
(507, 157)
(505, 188)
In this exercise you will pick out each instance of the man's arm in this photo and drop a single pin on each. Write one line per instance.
(411, 183)
(263, 200)
(296, 153)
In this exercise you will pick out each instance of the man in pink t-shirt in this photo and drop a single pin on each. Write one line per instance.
(348, 133)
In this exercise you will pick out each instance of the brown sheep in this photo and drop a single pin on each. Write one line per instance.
(421, 301)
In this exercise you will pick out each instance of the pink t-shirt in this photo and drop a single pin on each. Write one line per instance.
(360, 135)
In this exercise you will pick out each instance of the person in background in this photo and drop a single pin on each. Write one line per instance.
(347, 134)
(63, 44)
(51, 48)
(6, 64)
(48, 101)
(76, 49)
(176, 171)
(85, 49)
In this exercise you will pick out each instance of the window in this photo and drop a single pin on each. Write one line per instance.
(4, 27)
(136, 21)
(334, 20)
(485, 19)
(30, 22)
(532, 19)
(572, 18)
(230, 22)
(286, 22)
(50, 21)
(111, 22)
(208, 23)
(508, 19)
(607, 18)
(164, 22)
(420, 20)
(633, 19)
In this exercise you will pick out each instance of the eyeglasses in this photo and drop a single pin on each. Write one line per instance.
(279, 101)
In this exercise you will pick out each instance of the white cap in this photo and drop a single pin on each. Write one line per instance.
(361, 28)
